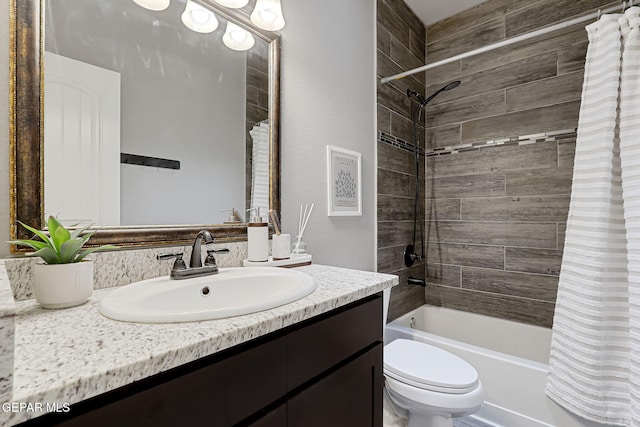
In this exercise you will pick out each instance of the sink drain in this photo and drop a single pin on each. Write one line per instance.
(205, 291)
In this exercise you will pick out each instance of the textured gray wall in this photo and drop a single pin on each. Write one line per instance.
(328, 98)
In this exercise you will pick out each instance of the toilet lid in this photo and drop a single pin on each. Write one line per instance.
(428, 367)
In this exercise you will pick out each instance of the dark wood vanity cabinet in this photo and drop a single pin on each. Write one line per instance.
(324, 371)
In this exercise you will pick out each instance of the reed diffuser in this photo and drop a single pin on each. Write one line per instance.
(300, 247)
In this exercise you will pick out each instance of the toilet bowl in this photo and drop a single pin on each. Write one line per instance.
(431, 385)
(428, 384)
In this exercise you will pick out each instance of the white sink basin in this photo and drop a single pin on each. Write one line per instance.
(232, 292)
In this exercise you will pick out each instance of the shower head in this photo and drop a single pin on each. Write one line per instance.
(454, 84)
(421, 99)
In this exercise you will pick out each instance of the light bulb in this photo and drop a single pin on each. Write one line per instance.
(234, 4)
(268, 15)
(155, 5)
(199, 18)
(237, 38)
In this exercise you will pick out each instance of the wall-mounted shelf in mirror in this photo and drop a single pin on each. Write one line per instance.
(95, 82)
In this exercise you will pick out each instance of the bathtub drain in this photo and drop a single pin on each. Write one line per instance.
(412, 323)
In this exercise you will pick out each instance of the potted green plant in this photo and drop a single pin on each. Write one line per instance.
(65, 278)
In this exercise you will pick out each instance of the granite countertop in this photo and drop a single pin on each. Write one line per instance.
(7, 305)
(66, 356)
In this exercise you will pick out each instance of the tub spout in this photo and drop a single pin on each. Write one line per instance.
(416, 281)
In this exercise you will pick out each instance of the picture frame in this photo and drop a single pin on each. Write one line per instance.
(344, 182)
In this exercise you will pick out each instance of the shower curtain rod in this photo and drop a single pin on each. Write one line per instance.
(508, 42)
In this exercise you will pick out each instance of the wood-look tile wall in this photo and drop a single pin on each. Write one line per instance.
(401, 46)
(496, 216)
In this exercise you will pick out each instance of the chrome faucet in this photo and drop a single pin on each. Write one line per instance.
(196, 259)
(195, 269)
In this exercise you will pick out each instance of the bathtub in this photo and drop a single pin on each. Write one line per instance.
(510, 357)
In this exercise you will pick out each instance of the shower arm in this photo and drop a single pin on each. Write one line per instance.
(409, 252)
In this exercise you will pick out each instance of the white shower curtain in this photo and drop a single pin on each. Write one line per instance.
(595, 349)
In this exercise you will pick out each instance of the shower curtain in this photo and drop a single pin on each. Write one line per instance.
(260, 168)
(595, 349)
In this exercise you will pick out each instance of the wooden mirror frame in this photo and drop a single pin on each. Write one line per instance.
(26, 94)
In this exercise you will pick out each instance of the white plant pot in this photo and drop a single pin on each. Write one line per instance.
(63, 285)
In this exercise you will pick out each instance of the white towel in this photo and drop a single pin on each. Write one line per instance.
(260, 168)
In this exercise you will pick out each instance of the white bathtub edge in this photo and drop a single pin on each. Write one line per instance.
(514, 386)
(498, 416)
(519, 361)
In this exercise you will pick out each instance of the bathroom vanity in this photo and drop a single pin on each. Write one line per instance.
(314, 362)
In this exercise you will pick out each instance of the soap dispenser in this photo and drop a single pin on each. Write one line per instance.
(233, 218)
(258, 237)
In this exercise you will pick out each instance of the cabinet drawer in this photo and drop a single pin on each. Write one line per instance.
(186, 400)
(325, 343)
(223, 393)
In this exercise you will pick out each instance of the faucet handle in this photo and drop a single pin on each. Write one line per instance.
(210, 259)
(178, 265)
(218, 251)
(165, 257)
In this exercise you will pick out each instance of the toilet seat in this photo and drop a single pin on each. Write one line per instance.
(428, 368)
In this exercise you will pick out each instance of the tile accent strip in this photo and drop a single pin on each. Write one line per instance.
(516, 140)
(398, 143)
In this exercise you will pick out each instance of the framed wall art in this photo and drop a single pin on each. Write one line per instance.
(344, 182)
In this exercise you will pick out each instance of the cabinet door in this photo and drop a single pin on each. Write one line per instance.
(326, 343)
(350, 396)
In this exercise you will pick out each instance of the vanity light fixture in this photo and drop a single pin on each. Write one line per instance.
(156, 5)
(199, 18)
(237, 38)
(233, 4)
(268, 15)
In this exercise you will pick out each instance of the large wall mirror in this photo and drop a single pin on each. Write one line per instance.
(131, 120)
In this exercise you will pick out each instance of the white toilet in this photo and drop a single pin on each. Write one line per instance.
(428, 385)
